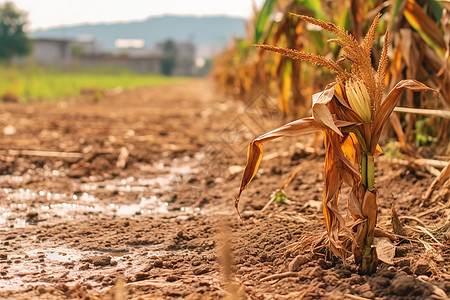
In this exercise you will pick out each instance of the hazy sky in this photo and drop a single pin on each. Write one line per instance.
(48, 13)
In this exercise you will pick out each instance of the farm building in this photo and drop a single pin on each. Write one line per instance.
(67, 54)
(49, 52)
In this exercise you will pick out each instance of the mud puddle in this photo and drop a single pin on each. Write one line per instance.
(51, 208)
(71, 267)
(89, 198)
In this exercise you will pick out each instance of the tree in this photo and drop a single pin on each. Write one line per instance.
(13, 39)
(169, 57)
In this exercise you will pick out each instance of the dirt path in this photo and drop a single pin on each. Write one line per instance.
(132, 196)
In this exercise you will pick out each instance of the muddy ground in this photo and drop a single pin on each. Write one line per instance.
(131, 197)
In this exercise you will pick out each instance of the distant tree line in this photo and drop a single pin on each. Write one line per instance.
(13, 39)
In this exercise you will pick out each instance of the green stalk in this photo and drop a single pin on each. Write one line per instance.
(361, 140)
(369, 255)
(367, 170)
(370, 171)
(364, 169)
(369, 259)
(362, 143)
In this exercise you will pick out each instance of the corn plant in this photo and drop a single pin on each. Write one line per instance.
(351, 113)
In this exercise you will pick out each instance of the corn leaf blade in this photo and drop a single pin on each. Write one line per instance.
(263, 18)
(321, 113)
(425, 26)
(255, 149)
(388, 106)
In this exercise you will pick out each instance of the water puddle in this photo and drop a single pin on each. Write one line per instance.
(48, 207)
(160, 184)
(43, 266)
(56, 254)
(114, 197)
(71, 266)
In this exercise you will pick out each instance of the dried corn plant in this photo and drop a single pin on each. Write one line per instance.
(351, 113)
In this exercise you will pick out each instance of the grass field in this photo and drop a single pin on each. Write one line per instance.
(35, 83)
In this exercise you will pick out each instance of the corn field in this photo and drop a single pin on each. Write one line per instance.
(418, 48)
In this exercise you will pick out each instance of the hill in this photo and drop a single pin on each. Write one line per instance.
(206, 31)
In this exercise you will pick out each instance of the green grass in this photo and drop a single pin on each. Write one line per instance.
(35, 83)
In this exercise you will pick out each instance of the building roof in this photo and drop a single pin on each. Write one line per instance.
(49, 39)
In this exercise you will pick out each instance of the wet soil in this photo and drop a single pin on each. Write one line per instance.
(132, 197)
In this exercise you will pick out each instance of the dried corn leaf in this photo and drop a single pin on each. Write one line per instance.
(332, 183)
(369, 210)
(255, 149)
(397, 225)
(347, 154)
(388, 106)
(285, 86)
(411, 53)
(426, 27)
(354, 205)
(378, 151)
(349, 148)
(321, 113)
(339, 93)
(385, 249)
(396, 64)
(336, 171)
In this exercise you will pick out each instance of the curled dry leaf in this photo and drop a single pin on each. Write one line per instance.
(354, 205)
(369, 210)
(385, 249)
(255, 149)
(387, 107)
(397, 226)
